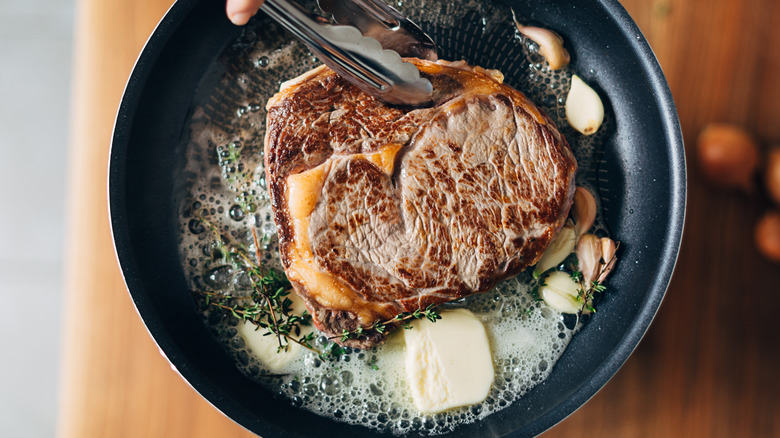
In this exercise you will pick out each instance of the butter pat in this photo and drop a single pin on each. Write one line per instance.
(448, 363)
(264, 348)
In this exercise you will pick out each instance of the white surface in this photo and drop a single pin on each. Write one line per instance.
(35, 44)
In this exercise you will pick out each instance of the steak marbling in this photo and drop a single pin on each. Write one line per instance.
(384, 209)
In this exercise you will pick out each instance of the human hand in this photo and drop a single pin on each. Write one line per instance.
(240, 11)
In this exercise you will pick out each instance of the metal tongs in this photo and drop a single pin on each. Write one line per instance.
(365, 48)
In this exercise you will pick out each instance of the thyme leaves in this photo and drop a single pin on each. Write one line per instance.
(267, 303)
(403, 319)
(588, 294)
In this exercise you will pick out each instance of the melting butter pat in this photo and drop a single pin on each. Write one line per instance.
(266, 347)
(448, 363)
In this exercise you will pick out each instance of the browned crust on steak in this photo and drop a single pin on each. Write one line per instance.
(480, 186)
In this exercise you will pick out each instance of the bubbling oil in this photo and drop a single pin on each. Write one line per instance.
(225, 183)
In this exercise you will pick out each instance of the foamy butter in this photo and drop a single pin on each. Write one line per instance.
(448, 362)
(519, 342)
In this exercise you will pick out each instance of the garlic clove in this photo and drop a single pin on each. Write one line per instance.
(584, 210)
(559, 249)
(767, 235)
(550, 45)
(589, 252)
(560, 292)
(728, 156)
(608, 258)
(584, 109)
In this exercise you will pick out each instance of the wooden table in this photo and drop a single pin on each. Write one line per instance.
(707, 367)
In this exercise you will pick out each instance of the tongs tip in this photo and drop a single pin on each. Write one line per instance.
(361, 54)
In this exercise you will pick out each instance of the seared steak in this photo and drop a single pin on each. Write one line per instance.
(384, 209)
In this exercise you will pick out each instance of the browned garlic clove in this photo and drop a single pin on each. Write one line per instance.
(608, 258)
(589, 252)
(584, 210)
(584, 109)
(550, 44)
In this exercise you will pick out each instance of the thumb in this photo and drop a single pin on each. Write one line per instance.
(240, 11)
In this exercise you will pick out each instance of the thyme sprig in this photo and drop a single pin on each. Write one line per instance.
(268, 305)
(253, 312)
(588, 293)
(403, 319)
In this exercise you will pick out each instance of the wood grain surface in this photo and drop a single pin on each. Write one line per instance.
(707, 367)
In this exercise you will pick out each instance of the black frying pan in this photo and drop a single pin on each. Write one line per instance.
(641, 183)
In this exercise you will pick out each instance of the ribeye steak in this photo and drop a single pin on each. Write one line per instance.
(384, 209)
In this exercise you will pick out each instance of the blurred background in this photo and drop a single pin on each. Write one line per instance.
(707, 367)
(36, 39)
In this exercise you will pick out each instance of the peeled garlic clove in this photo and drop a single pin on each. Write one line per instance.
(589, 251)
(550, 45)
(584, 109)
(560, 292)
(584, 210)
(559, 249)
(608, 250)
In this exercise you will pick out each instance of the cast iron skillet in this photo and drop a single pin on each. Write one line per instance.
(642, 184)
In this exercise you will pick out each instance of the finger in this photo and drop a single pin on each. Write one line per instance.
(240, 11)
